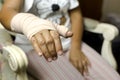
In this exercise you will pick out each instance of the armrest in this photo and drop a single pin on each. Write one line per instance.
(109, 32)
(16, 60)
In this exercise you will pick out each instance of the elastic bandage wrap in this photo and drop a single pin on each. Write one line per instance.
(30, 24)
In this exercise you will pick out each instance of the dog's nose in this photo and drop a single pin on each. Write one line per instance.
(55, 7)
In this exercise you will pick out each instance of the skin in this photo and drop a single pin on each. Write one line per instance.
(77, 57)
(48, 42)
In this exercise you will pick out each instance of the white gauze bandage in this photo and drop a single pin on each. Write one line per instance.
(30, 24)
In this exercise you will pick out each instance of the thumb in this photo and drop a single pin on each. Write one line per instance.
(63, 31)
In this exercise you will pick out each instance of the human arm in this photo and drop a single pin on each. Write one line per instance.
(9, 9)
(77, 57)
(43, 39)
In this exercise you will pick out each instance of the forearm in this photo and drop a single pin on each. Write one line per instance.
(9, 9)
(77, 27)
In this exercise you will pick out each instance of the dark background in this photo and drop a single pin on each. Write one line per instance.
(93, 9)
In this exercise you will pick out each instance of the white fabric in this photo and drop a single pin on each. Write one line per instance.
(73, 4)
(27, 5)
(44, 9)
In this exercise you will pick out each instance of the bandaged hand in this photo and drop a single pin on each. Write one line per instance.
(43, 34)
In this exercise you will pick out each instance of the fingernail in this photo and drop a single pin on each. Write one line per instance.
(69, 33)
(60, 52)
(49, 59)
(40, 54)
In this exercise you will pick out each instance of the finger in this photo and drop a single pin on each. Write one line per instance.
(57, 42)
(52, 51)
(88, 62)
(69, 34)
(86, 70)
(85, 66)
(75, 64)
(43, 47)
(63, 31)
(81, 69)
(50, 44)
(36, 46)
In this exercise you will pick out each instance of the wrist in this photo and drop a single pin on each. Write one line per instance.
(76, 44)
(29, 24)
(73, 46)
